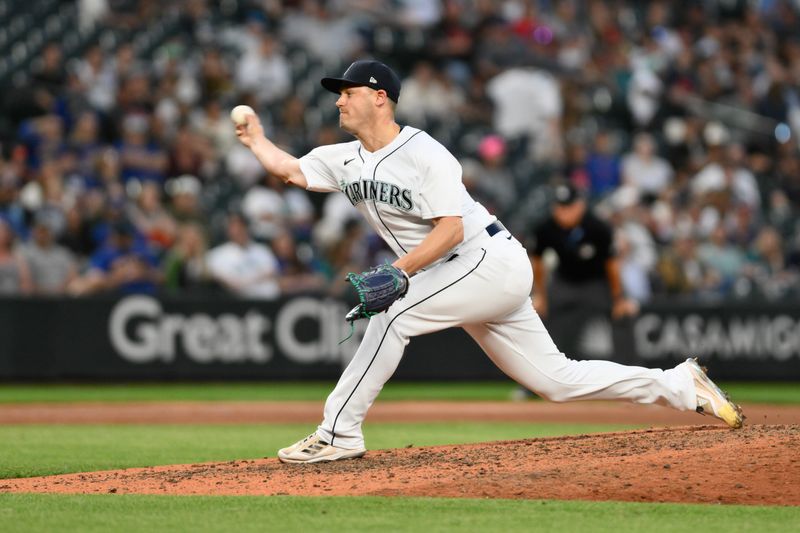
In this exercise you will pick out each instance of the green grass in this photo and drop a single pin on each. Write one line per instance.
(36, 450)
(27, 512)
(786, 393)
(783, 393)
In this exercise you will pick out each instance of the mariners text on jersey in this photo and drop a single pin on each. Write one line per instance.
(385, 193)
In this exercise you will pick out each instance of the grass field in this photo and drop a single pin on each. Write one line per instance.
(27, 450)
(280, 513)
(784, 393)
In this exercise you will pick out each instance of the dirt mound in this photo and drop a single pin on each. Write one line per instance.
(755, 465)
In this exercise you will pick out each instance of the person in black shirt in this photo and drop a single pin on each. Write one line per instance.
(586, 283)
(587, 269)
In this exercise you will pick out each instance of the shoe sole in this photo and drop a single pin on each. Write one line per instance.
(738, 416)
(346, 454)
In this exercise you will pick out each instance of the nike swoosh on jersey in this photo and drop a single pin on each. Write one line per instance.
(348, 160)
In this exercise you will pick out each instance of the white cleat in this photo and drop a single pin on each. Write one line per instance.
(313, 449)
(711, 399)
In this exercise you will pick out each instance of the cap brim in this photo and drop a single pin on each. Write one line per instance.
(569, 201)
(335, 85)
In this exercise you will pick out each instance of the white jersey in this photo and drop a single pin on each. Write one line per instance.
(399, 188)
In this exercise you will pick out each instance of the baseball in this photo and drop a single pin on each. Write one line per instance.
(239, 114)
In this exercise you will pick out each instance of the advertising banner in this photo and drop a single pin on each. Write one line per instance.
(148, 338)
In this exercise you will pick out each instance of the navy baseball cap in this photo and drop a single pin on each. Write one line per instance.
(366, 73)
(566, 194)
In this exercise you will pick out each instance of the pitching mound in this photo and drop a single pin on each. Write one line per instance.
(704, 464)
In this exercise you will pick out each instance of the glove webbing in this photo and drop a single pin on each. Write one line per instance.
(358, 282)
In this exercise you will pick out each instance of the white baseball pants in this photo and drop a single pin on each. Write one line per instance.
(485, 290)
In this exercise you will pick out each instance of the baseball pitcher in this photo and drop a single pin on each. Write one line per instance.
(457, 266)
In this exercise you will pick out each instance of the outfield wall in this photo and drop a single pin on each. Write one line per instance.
(142, 337)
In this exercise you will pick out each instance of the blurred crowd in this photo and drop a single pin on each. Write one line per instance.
(120, 169)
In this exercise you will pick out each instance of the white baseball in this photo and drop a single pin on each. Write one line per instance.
(239, 114)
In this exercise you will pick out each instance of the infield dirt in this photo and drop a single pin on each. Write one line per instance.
(759, 465)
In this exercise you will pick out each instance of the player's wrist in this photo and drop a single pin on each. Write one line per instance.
(402, 267)
(258, 142)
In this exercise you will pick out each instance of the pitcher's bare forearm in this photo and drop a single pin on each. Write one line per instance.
(276, 161)
(446, 233)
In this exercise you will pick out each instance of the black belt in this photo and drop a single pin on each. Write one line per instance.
(494, 228)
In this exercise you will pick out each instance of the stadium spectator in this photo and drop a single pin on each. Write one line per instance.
(419, 13)
(190, 154)
(603, 166)
(498, 50)
(185, 203)
(11, 211)
(265, 210)
(15, 277)
(273, 208)
(679, 272)
(349, 253)
(141, 157)
(768, 266)
(50, 76)
(214, 124)
(46, 192)
(91, 12)
(725, 172)
(215, 76)
(185, 265)
(43, 138)
(294, 130)
(631, 219)
(122, 265)
(723, 260)
(634, 276)
(644, 169)
(264, 72)
(477, 110)
(427, 95)
(495, 182)
(453, 42)
(528, 104)
(97, 79)
(77, 236)
(150, 217)
(298, 271)
(337, 212)
(52, 267)
(243, 167)
(84, 142)
(245, 268)
(326, 35)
